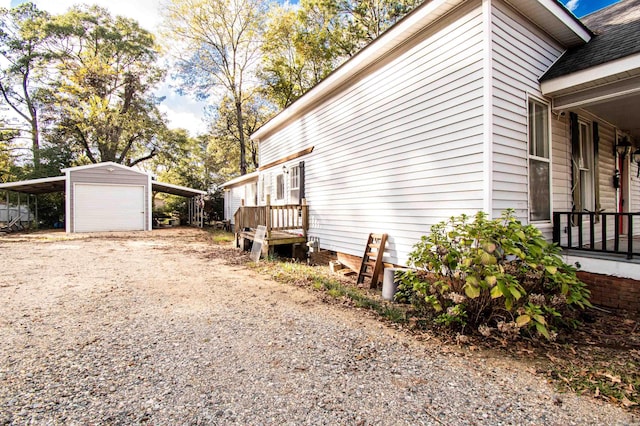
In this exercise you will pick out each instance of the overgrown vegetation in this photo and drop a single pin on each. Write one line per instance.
(334, 286)
(494, 276)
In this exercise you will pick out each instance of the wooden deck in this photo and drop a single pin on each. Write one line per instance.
(277, 238)
(285, 224)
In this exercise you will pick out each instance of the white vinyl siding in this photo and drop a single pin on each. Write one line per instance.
(521, 54)
(234, 199)
(401, 148)
(235, 194)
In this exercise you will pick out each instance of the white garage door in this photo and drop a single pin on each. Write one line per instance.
(108, 208)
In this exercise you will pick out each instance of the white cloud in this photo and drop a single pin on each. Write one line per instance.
(184, 120)
(146, 12)
(572, 4)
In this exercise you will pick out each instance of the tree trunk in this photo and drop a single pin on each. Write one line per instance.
(35, 143)
(243, 149)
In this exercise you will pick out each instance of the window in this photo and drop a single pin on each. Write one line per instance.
(539, 162)
(280, 187)
(586, 166)
(294, 184)
(251, 195)
(265, 187)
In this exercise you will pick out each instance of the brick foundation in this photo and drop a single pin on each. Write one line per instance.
(612, 292)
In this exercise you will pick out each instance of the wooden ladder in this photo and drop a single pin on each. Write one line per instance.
(371, 265)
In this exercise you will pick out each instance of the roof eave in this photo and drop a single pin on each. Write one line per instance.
(182, 191)
(106, 163)
(599, 74)
(240, 179)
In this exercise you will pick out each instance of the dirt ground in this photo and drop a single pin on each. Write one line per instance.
(166, 327)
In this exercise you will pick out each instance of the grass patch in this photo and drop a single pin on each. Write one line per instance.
(334, 286)
(219, 236)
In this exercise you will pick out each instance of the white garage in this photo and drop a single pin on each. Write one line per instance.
(108, 197)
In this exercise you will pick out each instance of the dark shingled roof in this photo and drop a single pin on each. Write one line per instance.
(617, 34)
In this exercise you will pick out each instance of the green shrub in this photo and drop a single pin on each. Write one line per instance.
(495, 276)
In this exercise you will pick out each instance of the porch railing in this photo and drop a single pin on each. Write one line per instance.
(285, 217)
(596, 232)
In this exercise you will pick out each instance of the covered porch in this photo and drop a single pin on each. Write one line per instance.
(597, 85)
(594, 90)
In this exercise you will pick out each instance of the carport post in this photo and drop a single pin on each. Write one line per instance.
(202, 211)
(189, 211)
(19, 215)
(36, 225)
(7, 207)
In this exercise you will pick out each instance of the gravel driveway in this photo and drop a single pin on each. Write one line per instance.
(159, 328)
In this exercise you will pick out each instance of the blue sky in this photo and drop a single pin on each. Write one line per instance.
(581, 8)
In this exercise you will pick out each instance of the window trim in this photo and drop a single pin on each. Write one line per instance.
(549, 160)
(588, 125)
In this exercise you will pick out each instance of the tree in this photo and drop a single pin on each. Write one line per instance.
(218, 51)
(364, 20)
(183, 162)
(7, 163)
(224, 140)
(24, 54)
(106, 71)
(298, 49)
(304, 44)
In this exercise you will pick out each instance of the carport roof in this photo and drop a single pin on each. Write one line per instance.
(182, 191)
(37, 186)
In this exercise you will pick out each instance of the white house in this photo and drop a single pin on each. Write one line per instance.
(242, 190)
(468, 105)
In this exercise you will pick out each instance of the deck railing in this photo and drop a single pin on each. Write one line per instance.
(276, 218)
(596, 232)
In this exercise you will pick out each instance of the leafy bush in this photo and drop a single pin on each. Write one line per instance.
(497, 276)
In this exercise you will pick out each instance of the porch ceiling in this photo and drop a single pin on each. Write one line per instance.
(610, 91)
(624, 112)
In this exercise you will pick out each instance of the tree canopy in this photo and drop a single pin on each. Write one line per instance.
(103, 91)
(24, 53)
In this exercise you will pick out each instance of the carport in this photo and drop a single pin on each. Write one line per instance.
(107, 197)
